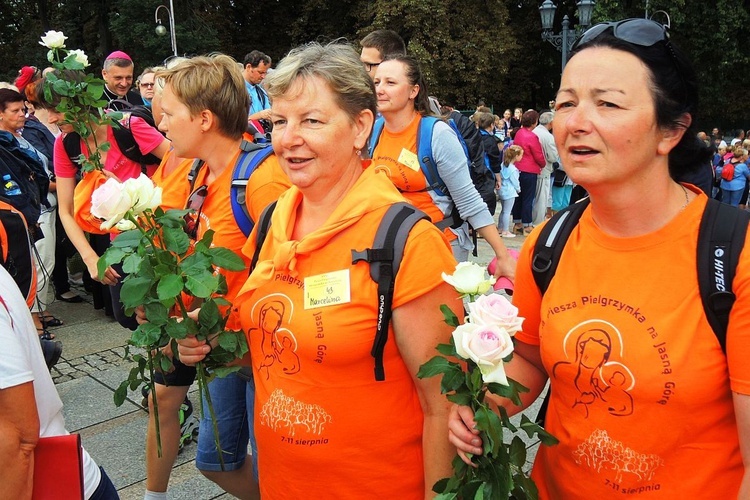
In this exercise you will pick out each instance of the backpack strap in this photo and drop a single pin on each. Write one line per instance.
(550, 244)
(250, 158)
(385, 259)
(264, 224)
(377, 129)
(194, 170)
(424, 154)
(721, 238)
(548, 249)
(72, 144)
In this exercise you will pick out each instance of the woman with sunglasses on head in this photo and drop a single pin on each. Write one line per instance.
(652, 406)
(204, 106)
(326, 428)
(401, 91)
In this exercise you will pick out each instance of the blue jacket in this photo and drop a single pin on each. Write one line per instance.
(510, 186)
(741, 174)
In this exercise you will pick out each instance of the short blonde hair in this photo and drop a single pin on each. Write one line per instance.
(214, 83)
(337, 64)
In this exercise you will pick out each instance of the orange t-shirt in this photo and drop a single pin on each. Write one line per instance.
(396, 153)
(641, 398)
(325, 428)
(217, 213)
(175, 187)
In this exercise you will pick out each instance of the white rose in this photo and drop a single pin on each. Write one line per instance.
(110, 202)
(143, 193)
(469, 279)
(125, 225)
(486, 346)
(80, 57)
(495, 309)
(53, 40)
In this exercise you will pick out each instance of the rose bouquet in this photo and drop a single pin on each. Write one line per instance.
(163, 271)
(483, 344)
(78, 94)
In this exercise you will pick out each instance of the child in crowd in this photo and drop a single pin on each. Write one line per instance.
(509, 189)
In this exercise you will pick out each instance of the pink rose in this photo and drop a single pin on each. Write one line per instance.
(110, 202)
(486, 345)
(495, 309)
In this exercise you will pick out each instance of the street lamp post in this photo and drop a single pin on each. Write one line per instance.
(564, 41)
(161, 30)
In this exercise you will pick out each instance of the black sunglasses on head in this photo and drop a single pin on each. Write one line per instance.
(195, 202)
(642, 32)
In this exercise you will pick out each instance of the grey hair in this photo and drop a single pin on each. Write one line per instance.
(546, 118)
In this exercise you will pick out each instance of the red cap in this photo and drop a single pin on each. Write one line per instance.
(25, 75)
(118, 54)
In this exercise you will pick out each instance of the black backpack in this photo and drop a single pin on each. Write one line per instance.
(384, 258)
(123, 136)
(721, 238)
(481, 175)
(16, 253)
(26, 185)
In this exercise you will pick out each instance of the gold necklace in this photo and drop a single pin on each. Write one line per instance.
(687, 200)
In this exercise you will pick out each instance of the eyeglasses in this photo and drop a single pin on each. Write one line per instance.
(642, 32)
(195, 202)
(149, 85)
(369, 66)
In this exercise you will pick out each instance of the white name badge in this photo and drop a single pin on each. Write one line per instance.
(409, 159)
(328, 289)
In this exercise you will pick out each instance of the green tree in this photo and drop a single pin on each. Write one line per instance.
(462, 46)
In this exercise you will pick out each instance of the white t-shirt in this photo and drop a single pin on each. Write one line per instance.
(21, 361)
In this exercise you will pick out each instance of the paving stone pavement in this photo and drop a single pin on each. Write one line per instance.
(92, 367)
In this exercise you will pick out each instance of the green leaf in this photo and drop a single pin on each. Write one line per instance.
(435, 366)
(518, 451)
(176, 329)
(447, 349)
(460, 398)
(157, 313)
(165, 364)
(176, 240)
(169, 287)
(128, 239)
(511, 391)
(194, 263)
(113, 255)
(131, 263)
(134, 290)
(226, 259)
(146, 335)
(228, 341)
(209, 315)
(448, 316)
(474, 379)
(532, 428)
(439, 487)
(206, 240)
(202, 285)
(452, 379)
(121, 393)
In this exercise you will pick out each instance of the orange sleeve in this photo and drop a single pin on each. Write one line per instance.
(426, 256)
(265, 186)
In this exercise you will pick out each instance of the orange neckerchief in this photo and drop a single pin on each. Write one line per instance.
(373, 190)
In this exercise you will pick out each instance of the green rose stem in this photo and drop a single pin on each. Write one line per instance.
(200, 367)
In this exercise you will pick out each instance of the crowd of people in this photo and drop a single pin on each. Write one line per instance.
(349, 129)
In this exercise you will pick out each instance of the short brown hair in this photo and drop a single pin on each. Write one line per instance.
(213, 83)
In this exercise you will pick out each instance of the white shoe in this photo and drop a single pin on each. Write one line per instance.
(507, 234)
